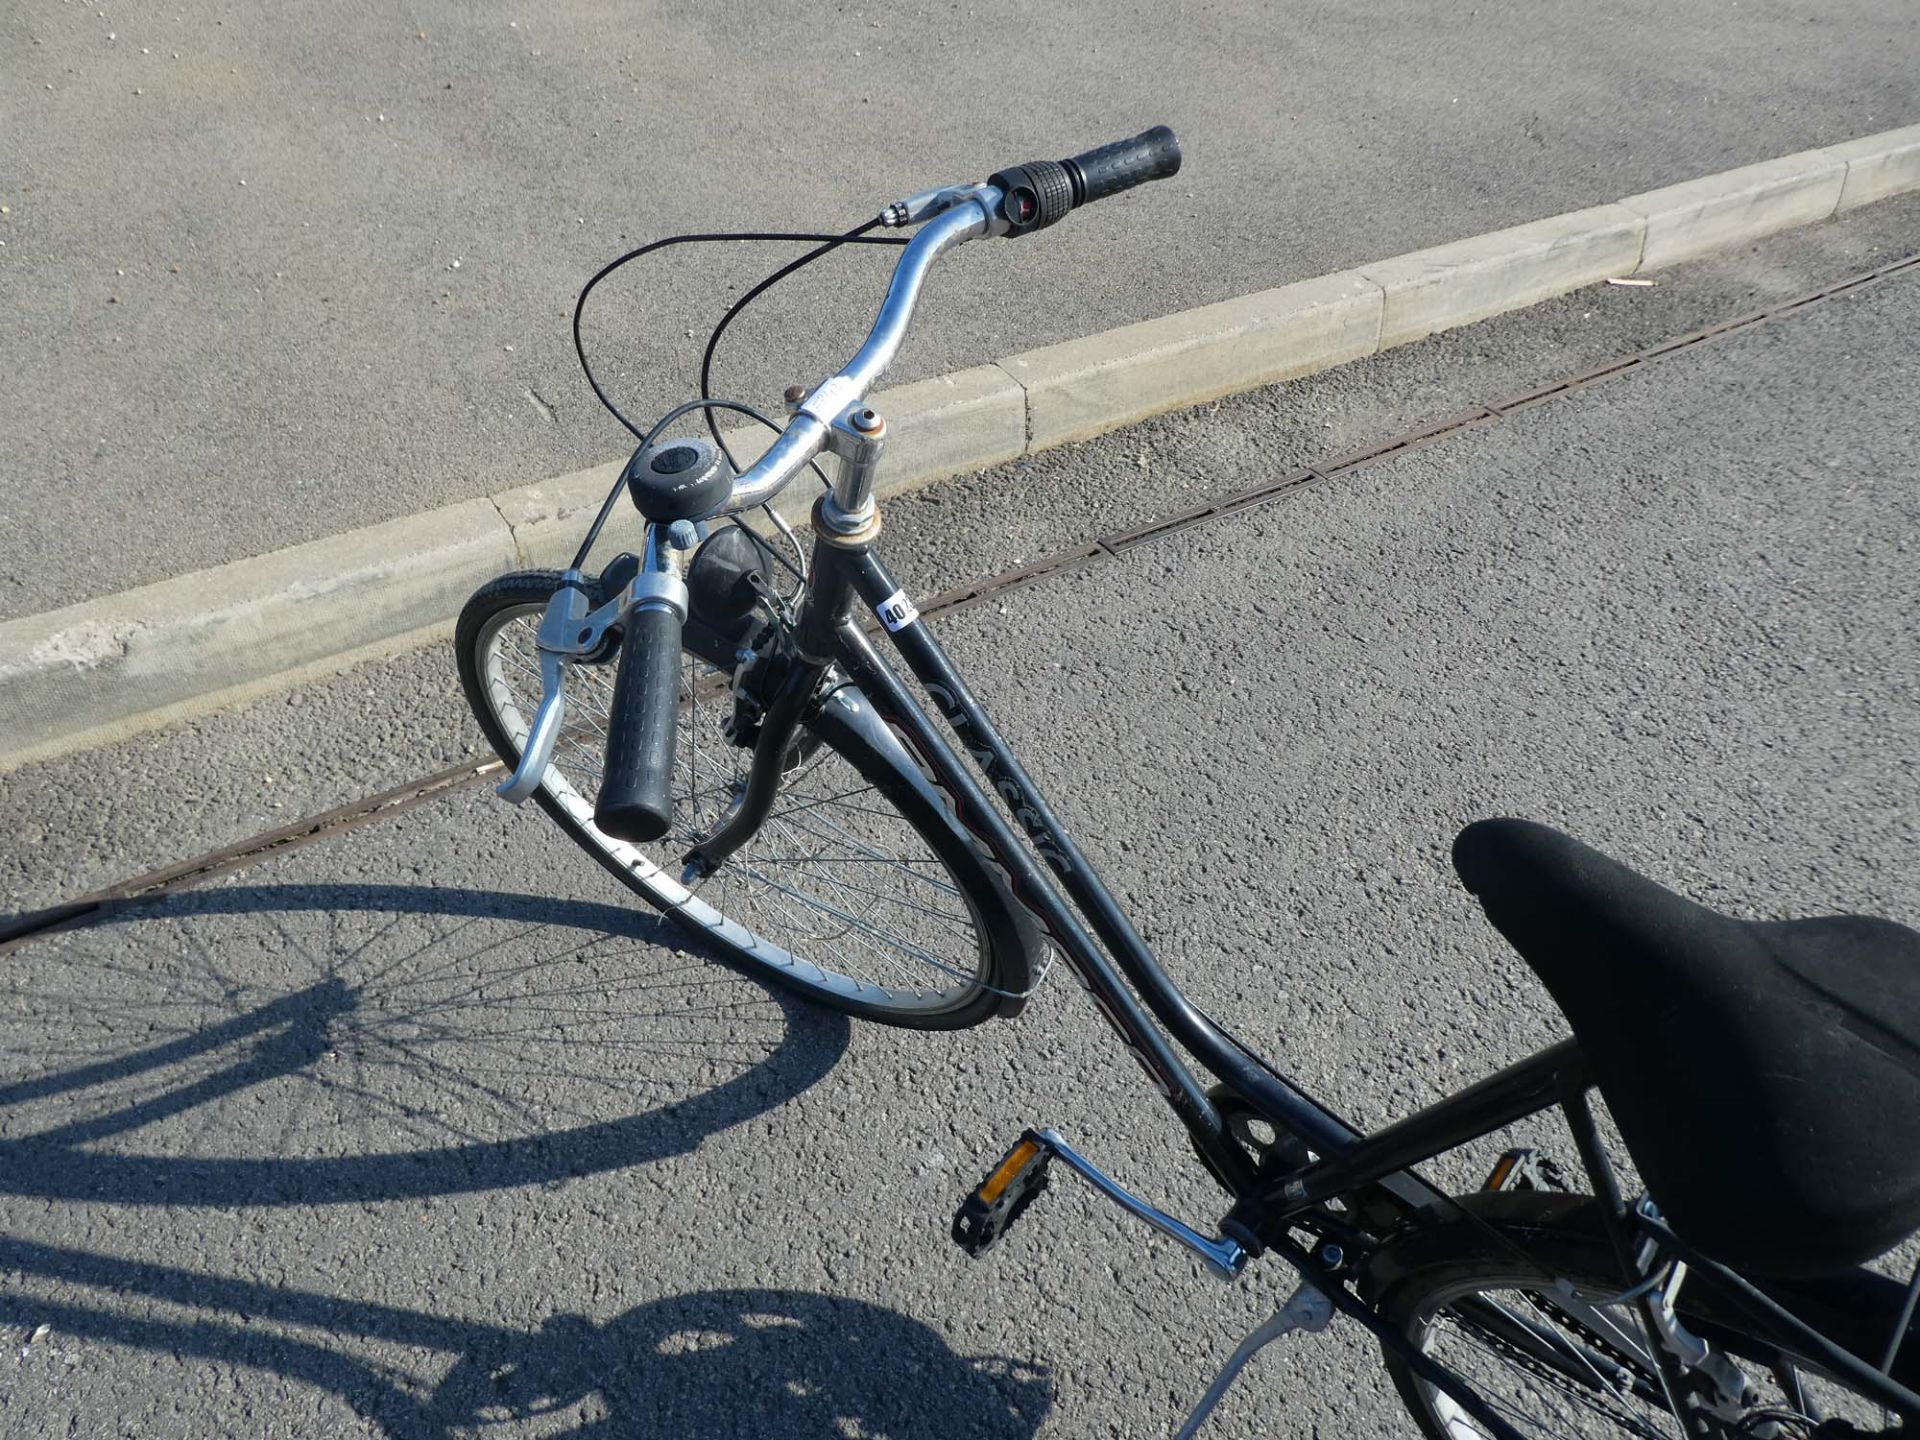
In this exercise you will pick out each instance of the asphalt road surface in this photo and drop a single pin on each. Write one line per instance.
(273, 274)
(424, 1132)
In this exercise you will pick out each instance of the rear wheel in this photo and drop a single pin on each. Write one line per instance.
(861, 891)
(1506, 1301)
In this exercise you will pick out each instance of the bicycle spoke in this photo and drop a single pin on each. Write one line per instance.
(1589, 1395)
(867, 852)
(834, 874)
(854, 921)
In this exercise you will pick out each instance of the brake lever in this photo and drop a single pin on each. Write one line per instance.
(564, 633)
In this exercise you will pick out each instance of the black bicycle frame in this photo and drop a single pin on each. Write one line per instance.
(1264, 1207)
(839, 572)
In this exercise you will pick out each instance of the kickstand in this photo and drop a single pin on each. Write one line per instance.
(1306, 1309)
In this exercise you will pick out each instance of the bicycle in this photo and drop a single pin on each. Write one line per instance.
(819, 828)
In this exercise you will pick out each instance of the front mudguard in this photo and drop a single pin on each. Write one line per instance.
(847, 720)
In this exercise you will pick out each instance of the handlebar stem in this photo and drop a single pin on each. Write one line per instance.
(858, 437)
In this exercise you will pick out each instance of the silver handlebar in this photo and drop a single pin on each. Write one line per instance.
(968, 214)
(953, 217)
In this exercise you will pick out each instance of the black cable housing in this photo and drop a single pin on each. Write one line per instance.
(852, 237)
(825, 243)
(646, 439)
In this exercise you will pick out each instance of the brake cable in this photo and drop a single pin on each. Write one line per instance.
(855, 236)
(823, 244)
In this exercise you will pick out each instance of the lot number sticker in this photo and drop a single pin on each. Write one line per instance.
(896, 612)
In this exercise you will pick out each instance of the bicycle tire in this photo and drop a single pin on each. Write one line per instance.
(1433, 1270)
(988, 975)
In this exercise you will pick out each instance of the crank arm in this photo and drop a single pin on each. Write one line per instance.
(1225, 1256)
(986, 1214)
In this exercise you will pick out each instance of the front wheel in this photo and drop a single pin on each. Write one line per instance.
(861, 891)
(1505, 1296)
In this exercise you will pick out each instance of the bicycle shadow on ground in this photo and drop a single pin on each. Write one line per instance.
(720, 1363)
(290, 1044)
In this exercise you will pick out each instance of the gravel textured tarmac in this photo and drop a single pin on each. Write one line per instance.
(272, 274)
(409, 1134)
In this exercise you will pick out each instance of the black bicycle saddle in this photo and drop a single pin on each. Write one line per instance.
(1765, 1076)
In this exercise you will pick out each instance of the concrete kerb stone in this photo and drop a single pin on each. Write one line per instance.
(1879, 166)
(967, 420)
(951, 424)
(87, 668)
(1468, 280)
(1082, 388)
(547, 519)
(1739, 205)
(127, 662)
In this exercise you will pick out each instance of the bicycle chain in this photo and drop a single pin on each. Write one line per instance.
(1565, 1383)
(1559, 1378)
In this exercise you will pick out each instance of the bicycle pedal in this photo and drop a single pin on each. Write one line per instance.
(1524, 1168)
(988, 1213)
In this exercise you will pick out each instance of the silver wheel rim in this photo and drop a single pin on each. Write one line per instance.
(837, 892)
(1598, 1412)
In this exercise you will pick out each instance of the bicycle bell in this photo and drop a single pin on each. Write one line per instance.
(679, 479)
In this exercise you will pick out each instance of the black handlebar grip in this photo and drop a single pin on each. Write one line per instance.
(636, 798)
(1041, 191)
(1151, 155)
